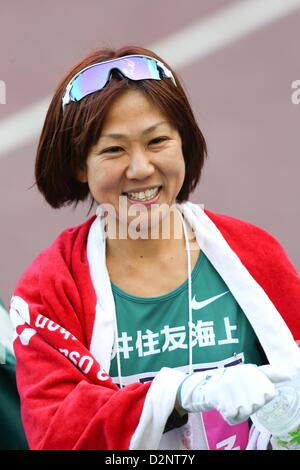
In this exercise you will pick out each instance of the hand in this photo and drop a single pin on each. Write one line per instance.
(236, 392)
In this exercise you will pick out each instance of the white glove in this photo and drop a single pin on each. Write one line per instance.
(236, 392)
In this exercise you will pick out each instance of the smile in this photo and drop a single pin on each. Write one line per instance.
(149, 196)
(143, 196)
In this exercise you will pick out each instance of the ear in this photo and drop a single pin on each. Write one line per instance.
(82, 175)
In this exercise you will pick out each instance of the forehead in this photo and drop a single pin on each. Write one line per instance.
(132, 106)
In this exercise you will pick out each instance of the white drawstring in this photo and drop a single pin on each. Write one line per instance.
(189, 294)
(116, 331)
(118, 351)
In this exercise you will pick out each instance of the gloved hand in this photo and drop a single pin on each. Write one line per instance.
(236, 392)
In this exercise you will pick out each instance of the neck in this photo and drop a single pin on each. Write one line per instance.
(149, 248)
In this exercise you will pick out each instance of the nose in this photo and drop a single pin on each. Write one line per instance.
(140, 167)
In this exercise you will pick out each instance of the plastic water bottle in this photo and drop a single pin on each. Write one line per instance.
(281, 417)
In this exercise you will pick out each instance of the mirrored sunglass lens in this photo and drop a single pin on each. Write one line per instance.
(138, 68)
(89, 81)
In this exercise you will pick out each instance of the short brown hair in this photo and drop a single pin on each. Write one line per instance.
(68, 136)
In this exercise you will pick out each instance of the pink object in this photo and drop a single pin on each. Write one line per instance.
(221, 435)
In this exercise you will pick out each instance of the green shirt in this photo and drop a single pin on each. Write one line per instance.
(154, 333)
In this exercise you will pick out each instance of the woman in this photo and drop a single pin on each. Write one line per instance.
(121, 130)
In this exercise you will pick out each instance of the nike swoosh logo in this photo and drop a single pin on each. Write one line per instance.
(198, 305)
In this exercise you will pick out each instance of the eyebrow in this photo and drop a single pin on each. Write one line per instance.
(145, 132)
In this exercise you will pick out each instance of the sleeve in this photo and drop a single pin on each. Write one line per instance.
(67, 400)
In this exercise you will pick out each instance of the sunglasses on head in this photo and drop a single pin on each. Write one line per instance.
(95, 77)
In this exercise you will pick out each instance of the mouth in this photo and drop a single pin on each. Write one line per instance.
(149, 195)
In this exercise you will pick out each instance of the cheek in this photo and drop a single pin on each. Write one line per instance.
(182, 167)
(178, 168)
(180, 172)
(181, 178)
(102, 181)
(173, 161)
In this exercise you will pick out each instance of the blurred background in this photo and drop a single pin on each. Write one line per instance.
(238, 61)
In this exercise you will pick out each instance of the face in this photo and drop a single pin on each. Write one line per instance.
(137, 158)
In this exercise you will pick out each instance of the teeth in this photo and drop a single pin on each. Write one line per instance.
(142, 196)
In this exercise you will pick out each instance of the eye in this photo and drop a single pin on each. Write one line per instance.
(158, 140)
(114, 149)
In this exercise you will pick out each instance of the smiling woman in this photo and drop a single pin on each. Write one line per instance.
(112, 349)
